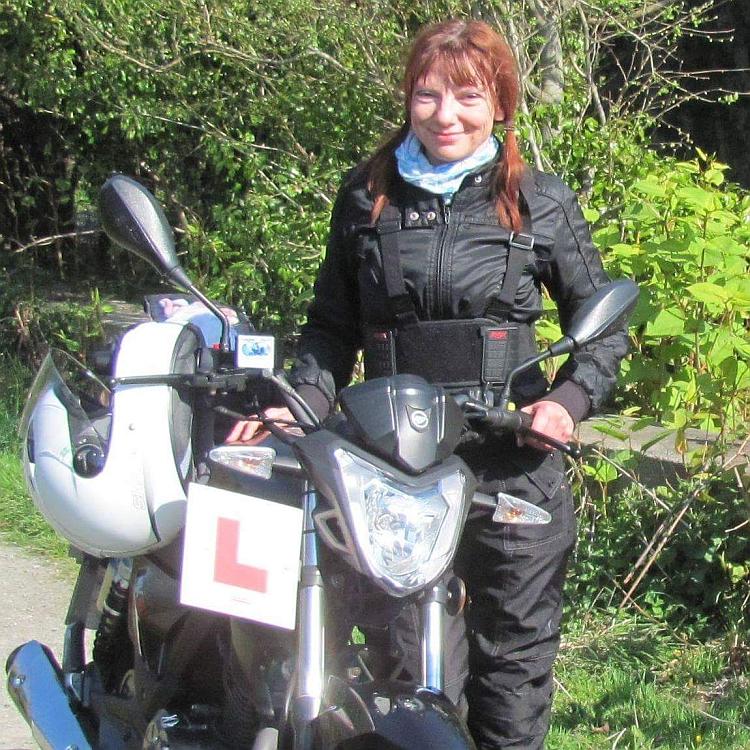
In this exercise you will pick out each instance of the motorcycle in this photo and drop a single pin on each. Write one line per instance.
(235, 595)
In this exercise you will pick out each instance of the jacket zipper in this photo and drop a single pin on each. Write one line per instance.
(440, 259)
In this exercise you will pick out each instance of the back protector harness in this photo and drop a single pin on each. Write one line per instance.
(473, 355)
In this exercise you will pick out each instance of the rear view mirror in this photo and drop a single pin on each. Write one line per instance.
(133, 219)
(603, 312)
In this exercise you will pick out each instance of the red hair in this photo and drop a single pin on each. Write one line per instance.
(466, 53)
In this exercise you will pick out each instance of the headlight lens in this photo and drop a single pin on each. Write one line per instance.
(402, 529)
(406, 537)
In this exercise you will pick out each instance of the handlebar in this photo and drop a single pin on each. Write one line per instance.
(484, 501)
(498, 419)
(502, 420)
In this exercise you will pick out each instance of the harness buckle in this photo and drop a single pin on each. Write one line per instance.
(403, 310)
(522, 241)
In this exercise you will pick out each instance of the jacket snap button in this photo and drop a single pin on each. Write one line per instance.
(431, 216)
(413, 216)
(477, 178)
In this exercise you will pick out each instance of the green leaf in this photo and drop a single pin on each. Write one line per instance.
(607, 429)
(652, 186)
(667, 323)
(591, 215)
(623, 250)
(602, 472)
(656, 439)
(698, 198)
(714, 177)
(710, 293)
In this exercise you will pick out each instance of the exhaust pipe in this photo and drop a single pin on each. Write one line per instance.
(36, 686)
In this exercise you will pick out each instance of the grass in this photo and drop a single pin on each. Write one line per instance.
(628, 683)
(20, 522)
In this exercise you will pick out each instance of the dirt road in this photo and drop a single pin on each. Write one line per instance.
(34, 596)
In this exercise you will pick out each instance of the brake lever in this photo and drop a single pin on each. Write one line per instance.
(572, 450)
(272, 425)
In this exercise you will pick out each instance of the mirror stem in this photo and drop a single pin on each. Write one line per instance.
(505, 395)
(178, 276)
(224, 343)
(565, 345)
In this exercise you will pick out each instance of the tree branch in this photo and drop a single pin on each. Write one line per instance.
(42, 241)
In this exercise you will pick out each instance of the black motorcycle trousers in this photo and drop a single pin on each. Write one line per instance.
(514, 576)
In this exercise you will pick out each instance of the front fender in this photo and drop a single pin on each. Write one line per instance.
(389, 715)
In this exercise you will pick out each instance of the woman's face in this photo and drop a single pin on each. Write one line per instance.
(451, 121)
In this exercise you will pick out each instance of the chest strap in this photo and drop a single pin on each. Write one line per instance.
(520, 247)
(400, 303)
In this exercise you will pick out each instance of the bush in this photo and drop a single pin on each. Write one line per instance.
(683, 236)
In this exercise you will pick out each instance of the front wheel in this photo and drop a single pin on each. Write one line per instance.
(389, 715)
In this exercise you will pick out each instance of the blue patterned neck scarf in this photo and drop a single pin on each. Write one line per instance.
(441, 179)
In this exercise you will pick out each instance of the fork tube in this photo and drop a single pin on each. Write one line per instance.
(433, 625)
(311, 631)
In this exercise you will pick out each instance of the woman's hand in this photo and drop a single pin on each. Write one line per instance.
(551, 419)
(252, 431)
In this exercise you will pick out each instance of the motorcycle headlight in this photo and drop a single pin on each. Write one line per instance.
(405, 535)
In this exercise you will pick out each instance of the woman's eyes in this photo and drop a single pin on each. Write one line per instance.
(464, 96)
(470, 95)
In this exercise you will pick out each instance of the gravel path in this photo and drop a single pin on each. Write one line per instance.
(34, 595)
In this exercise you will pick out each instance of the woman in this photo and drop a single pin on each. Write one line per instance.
(442, 235)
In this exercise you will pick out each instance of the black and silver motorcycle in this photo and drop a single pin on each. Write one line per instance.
(124, 460)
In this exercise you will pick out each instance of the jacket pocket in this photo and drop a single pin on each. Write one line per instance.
(540, 479)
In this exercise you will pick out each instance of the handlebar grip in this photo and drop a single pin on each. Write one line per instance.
(520, 421)
(525, 420)
(510, 421)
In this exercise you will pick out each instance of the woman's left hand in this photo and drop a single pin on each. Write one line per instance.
(551, 419)
(252, 431)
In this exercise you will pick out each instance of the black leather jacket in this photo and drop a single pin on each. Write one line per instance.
(454, 260)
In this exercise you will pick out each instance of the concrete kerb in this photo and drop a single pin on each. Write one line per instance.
(659, 461)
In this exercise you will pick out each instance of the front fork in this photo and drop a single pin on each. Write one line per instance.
(310, 672)
(432, 609)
